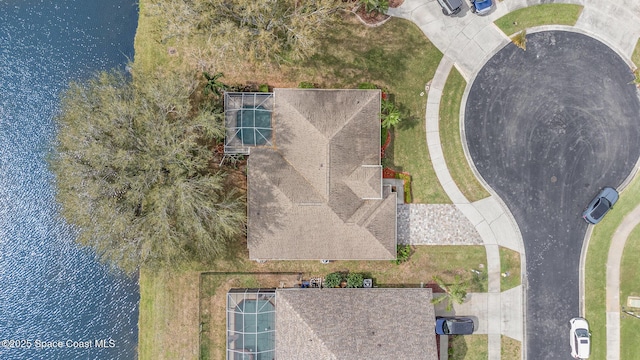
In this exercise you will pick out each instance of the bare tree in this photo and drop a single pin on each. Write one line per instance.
(133, 171)
(258, 30)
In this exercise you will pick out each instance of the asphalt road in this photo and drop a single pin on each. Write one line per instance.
(547, 128)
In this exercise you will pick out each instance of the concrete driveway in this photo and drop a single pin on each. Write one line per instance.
(546, 129)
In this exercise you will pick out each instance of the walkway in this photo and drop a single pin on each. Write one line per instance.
(467, 41)
(613, 281)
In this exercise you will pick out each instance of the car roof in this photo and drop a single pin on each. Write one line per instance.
(460, 325)
(482, 4)
(601, 208)
(454, 3)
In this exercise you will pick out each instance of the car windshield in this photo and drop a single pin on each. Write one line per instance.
(601, 207)
(445, 327)
(582, 333)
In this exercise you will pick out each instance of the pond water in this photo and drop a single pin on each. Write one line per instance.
(56, 300)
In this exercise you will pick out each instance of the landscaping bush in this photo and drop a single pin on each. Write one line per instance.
(263, 88)
(407, 186)
(383, 136)
(367, 86)
(520, 39)
(390, 114)
(306, 85)
(403, 253)
(379, 6)
(354, 280)
(333, 280)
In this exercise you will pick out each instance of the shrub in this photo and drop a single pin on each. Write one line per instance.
(383, 136)
(520, 39)
(354, 280)
(367, 86)
(333, 280)
(379, 6)
(390, 114)
(263, 88)
(407, 186)
(403, 253)
(306, 85)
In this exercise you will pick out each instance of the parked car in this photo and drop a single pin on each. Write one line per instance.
(580, 338)
(450, 7)
(454, 326)
(600, 205)
(481, 7)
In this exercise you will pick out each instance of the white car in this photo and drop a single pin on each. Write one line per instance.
(580, 338)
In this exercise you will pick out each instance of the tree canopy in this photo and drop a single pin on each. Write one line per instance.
(254, 30)
(134, 171)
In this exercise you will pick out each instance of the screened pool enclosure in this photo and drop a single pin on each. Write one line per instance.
(247, 121)
(251, 319)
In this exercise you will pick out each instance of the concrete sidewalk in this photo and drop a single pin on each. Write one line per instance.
(467, 42)
(613, 281)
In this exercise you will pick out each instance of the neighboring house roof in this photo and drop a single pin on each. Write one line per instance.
(318, 194)
(377, 323)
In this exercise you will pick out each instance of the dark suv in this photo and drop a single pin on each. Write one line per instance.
(450, 7)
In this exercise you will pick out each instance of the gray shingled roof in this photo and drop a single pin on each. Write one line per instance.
(371, 324)
(317, 194)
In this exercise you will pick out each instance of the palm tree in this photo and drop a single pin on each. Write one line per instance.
(214, 86)
(456, 292)
(390, 114)
(379, 6)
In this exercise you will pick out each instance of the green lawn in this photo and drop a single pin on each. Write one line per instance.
(451, 141)
(509, 263)
(168, 315)
(636, 54)
(510, 348)
(468, 347)
(630, 285)
(537, 15)
(396, 56)
(595, 268)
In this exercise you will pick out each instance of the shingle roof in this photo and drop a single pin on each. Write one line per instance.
(318, 193)
(377, 323)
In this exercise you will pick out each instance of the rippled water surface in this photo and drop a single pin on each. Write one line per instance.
(52, 292)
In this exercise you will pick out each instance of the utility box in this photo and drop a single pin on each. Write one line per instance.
(633, 301)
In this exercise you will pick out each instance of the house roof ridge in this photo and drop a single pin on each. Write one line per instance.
(391, 197)
(303, 321)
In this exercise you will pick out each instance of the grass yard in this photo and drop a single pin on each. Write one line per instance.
(424, 263)
(630, 286)
(636, 54)
(509, 263)
(168, 324)
(451, 140)
(595, 268)
(537, 15)
(510, 348)
(468, 347)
